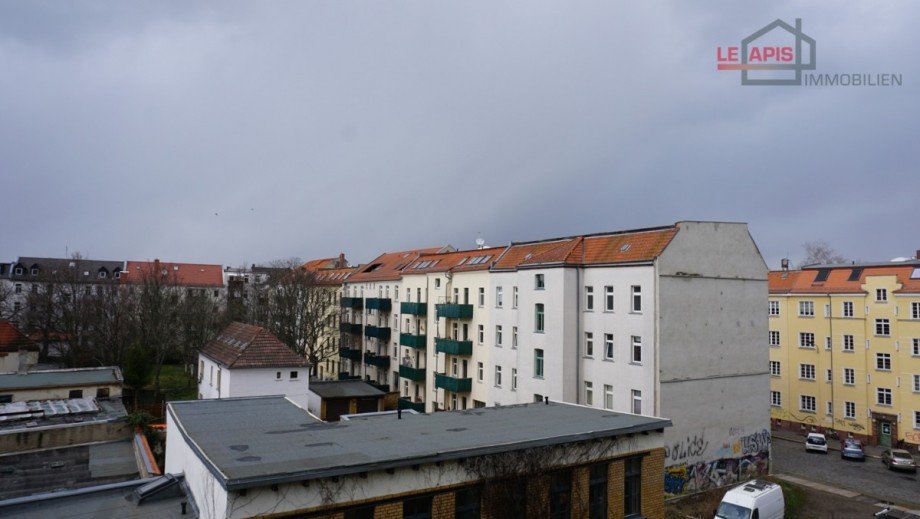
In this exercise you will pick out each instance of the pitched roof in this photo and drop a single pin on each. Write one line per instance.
(457, 261)
(242, 345)
(843, 279)
(11, 339)
(388, 266)
(324, 263)
(181, 274)
(631, 246)
(333, 277)
(85, 269)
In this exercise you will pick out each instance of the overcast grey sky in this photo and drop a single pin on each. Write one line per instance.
(314, 127)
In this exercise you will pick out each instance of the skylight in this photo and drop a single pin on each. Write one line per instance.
(822, 275)
(855, 273)
(915, 274)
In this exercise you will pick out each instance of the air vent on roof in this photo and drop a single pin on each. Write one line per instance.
(624, 248)
(528, 256)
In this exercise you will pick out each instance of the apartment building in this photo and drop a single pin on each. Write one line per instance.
(329, 275)
(202, 280)
(845, 351)
(661, 322)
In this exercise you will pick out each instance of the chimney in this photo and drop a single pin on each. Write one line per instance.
(341, 262)
(785, 263)
(917, 255)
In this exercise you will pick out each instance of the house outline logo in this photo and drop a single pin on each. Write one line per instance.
(787, 58)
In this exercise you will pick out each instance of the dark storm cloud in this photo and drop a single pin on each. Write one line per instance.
(235, 132)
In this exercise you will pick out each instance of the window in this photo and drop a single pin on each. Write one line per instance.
(608, 299)
(539, 324)
(916, 388)
(775, 368)
(883, 361)
(807, 371)
(806, 340)
(806, 309)
(883, 396)
(589, 344)
(597, 491)
(848, 343)
(514, 297)
(589, 299)
(102, 392)
(498, 297)
(6, 399)
(848, 308)
(632, 487)
(539, 282)
(915, 349)
(18, 271)
(481, 335)
(849, 376)
(498, 335)
(34, 271)
(513, 379)
(482, 296)
(776, 398)
(538, 363)
(514, 337)
(774, 308)
(636, 401)
(294, 375)
(608, 346)
(560, 495)
(807, 403)
(589, 393)
(830, 407)
(437, 284)
(75, 393)
(608, 396)
(498, 376)
(774, 338)
(18, 288)
(636, 298)
(915, 310)
(467, 503)
(849, 409)
(364, 512)
(479, 371)
(881, 295)
(417, 508)
(882, 327)
(916, 418)
(637, 349)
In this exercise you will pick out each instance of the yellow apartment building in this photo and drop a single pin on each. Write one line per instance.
(845, 351)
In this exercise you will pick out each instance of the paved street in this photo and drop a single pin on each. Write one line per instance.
(869, 478)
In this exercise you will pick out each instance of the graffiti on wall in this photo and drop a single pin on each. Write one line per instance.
(743, 458)
(912, 436)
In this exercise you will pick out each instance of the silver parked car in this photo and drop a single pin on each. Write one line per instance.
(852, 450)
(899, 459)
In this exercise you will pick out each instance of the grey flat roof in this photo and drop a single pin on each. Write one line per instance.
(344, 389)
(249, 442)
(60, 378)
(109, 410)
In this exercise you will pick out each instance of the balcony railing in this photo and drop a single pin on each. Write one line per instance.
(383, 387)
(418, 342)
(344, 375)
(454, 311)
(349, 353)
(453, 384)
(381, 361)
(406, 403)
(414, 374)
(414, 308)
(350, 327)
(377, 332)
(378, 303)
(352, 302)
(453, 346)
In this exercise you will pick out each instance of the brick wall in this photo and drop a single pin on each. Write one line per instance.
(442, 506)
(652, 484)
(616, 477)
(389, 511)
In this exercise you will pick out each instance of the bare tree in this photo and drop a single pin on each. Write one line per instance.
(8, 310)
(820, 252)
(198, 320)
(112, 320)
(157, 315)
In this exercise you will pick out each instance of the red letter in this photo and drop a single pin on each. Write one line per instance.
(786, 54)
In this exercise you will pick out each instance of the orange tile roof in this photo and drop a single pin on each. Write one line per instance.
(333, 276)
(458, 261)
(241, 345)
(520, 253)
(317, 264)
(838, 279)
(183, 274)
(388, 266)
(11, 339)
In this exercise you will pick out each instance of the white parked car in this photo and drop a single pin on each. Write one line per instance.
(816, 442)
(754, 499)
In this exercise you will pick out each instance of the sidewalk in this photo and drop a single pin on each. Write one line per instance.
(872, 451)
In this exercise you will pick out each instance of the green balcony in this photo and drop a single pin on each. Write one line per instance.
(454, 311)
(381, 361)
(348, 376)
(413, 341)
(350, 327)
(405, 403)
(383, 387)
(414, 308)
(414, 374)
(453, 384)
(352, 302)
(349, 353)
(453, 346)
(378, 303)
(377, 332)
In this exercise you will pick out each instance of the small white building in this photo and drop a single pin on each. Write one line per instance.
(246, 360)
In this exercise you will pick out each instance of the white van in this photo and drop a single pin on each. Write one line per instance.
(753, 500)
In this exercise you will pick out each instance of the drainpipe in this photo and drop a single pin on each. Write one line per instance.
(657, 334)
(830, 324)
(578, 316)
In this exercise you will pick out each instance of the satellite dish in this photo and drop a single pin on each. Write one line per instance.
(480, 242)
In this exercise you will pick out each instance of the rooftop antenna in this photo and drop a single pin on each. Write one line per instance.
(480, 243)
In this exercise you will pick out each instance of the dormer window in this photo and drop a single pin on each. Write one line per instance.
(18, 271)
(117, 274)
(34, 271)
(102, 274)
